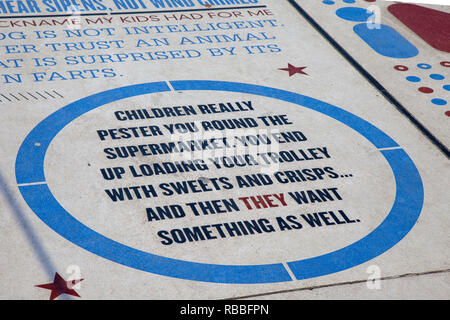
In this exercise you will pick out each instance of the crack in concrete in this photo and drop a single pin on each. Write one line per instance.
(406, 275)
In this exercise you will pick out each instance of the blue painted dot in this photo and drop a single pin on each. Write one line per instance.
(413, 79)
(354, 14)
(349, 1)
(436, 76)
(439, 102)
(424, 66)
(446, 87)
(328, 2)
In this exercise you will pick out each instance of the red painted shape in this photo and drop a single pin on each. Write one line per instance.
(401, 68)
(60, 286)
(293, 70)
(426, 90)
(431, 25)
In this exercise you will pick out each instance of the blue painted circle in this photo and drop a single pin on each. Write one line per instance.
(439, 102)
(328, 2)
(424, 66)
(446, 87)
(413, 79)
(354, 14)
(436, 76)
(34, 189)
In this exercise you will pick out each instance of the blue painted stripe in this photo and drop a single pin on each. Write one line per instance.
(401, 219)
(386, 41)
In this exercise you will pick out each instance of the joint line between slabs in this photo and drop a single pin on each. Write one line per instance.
(170, 86)
(337, 284)
(291, 274)
(390, 148)
(31, 183)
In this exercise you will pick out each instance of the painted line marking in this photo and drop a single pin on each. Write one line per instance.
(49, 94)
(170, 86)
(31, 183)
(291, 274)
(27, 227)
(390, 148)
(23, 96)
(439, 2)
(406, 208)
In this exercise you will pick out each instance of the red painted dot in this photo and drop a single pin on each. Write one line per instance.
(401, 68)
(370, 0)
(445, 64)
(447, 113)
(426, 90)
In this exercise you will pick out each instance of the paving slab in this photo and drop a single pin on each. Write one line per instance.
(408, 287)
(205, 150)
(402, 48)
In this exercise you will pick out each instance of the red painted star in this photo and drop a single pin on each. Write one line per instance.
(60, 286)
(293, 70)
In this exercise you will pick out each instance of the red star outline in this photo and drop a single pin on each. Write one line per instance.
(60, 286)
(293, 70)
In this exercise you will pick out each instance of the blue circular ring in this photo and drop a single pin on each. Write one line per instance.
(34, 189)
(424, 66)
